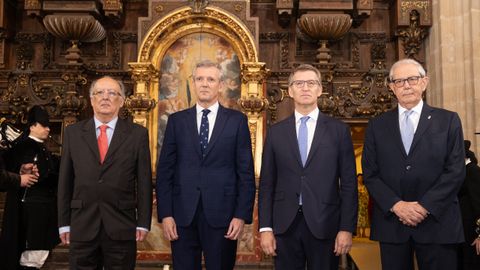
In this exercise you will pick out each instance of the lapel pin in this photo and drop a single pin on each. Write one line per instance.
(429, 117)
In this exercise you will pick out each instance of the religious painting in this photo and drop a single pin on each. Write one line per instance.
(176, 88)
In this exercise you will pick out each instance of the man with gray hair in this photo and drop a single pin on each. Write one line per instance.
(205, 179)
(413, 166)
(105, 188)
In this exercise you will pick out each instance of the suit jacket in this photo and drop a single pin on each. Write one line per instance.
(117, 193)
(327, 183)
(223, 181)
(431, 174)
(8, 180)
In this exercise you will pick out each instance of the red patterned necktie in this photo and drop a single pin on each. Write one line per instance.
(103, 142)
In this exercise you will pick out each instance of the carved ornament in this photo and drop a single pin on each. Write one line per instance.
(423, 7)
(413, 36)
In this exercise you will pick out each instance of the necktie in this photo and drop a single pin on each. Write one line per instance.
(303, 138)
(203, 136)
(102, 142)
(407, 131)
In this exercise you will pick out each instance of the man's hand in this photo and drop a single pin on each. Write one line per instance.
(409, 213)
(141, 235)
(169, 229)
(28, 180)
(476, 244)
(65, 237)
(268, 243)
(343, 243)
(235, 229)
(29, 168)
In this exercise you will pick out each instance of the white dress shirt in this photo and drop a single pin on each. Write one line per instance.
(414, 117)
(212, 115)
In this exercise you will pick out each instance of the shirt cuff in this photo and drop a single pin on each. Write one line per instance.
(64, 229)
(142, 229)
(266, 229)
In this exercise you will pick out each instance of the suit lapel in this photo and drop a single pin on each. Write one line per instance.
(394, 127)
(192, 129)
(90, 137)
(119, 135)
(291, 133)
(317, 137)
(220, 121)
(423, 124)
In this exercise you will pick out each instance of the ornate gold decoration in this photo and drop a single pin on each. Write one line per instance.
(212, 20)
(413, 36)
(407, 6)
(33, 7)
(139, 104)
(325, 27)
(74, 27)
(113, 8)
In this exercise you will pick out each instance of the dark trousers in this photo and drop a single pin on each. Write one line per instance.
(298, 247)
(103, 253)
(219, 252)
(399, 256)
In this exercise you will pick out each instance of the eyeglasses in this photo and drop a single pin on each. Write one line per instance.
(413, 80)
(110, 93)
(301, 83)
(200, 79)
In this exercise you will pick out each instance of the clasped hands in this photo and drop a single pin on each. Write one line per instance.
(28, 175)
(410, 213)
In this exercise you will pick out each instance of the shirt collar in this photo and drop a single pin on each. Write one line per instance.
(213, 109)
(110, 124)
(313, 114)
(35, 139)
(417, 109)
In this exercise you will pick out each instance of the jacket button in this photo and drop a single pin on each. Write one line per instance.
(408, 167)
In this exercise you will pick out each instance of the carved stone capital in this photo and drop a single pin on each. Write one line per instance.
(142, 72)
(254, 75)
(139, 106)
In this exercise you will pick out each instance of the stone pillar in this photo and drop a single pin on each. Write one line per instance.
(453, 62)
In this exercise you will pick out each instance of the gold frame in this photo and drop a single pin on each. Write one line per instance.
(163, 34)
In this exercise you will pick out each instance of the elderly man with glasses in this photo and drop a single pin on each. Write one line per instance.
(105, 184)
(413, 166)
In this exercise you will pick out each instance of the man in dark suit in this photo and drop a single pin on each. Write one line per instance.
(308, 187)
(469, 198)
(413, 167)
(105, 190)
(205, 179)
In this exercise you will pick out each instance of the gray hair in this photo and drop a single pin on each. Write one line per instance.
(207, 64)
(120, 84)
(305, 67)
(407, 61)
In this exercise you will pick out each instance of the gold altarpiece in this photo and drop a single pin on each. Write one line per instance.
(146, 73)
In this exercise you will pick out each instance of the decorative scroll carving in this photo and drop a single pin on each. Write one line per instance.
(43, 38)
(412, 37)
(283, 39)
(33, 7)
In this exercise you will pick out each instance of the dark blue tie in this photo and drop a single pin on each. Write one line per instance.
(203, 136)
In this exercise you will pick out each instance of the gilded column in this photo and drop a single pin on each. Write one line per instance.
(139, 104)
(253, 103)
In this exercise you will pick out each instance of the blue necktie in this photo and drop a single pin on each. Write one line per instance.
(203, 136)
(407, 131)
(303, 145)
(303, 138)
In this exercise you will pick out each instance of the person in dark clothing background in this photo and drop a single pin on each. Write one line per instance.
(469, 197)
(29, 229)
